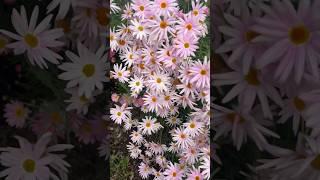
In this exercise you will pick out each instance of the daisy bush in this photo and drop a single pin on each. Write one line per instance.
(161, 71)
(54, 68)
(266, 88)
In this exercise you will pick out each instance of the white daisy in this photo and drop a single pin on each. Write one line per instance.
(149, 125)
(120, 73)
(182, 139)
(34, 39)
(34, 161)
(120, 113)
(88, 70)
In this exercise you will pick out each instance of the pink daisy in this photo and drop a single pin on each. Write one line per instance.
(16, 114)
(165, 7)
(200, 73)
(195, 174)
(294, 37)
(173, 172)
(186, 45)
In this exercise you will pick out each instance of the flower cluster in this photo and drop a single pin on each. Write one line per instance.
(267, 77)
(60, 50)
(168, 88)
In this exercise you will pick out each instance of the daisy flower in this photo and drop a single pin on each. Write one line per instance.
(200, 73)
(144, 170)
(189, 25)
(182, 139)
(165, 7)
(34, 39)
(240, 40)
(139, 29)
(78, 103)
(136, 137)
(186, 45)
(195, 174)
(159, 82)
(173, 172)
(88, 70)
(141, 8)
(136, 84)
(152, 102)
(248, 87)
(293, 39)
(120, 73)
(129, 57)
(134, 151)
(149, 125)
(86, 132)
(160, 28)
(34, 161)
(241, 124)
(191, 154)
(120, 113)
(16, 114)
(193, 127)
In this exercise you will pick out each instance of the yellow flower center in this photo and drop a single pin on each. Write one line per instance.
(174, 60)
(195, 12)
(192, 125)
(299, 35)
(137, 83)
(140, 28)
(186, 45)
(56, 118)
(203, 72)
(102, 17)
(29, 165)
(163, 5)
(232, 117)
(163, 24)
(119, 113)
(158, 80)
(88, 12)
(197, 178)
(20, 112)
(121, 42)
(252, 77)
(31, 40)
(299, 104)
(250, 35)
(316, 162)
(148, 124)
(189, 26)
(3, 43)
(141, 8)
(64, 24)
(182, 136)
(88, 70)
(119, 74)
(167, 98)
(174, 174)
(154, 99)
(86, 127)
(112, 38)
(84, 99)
